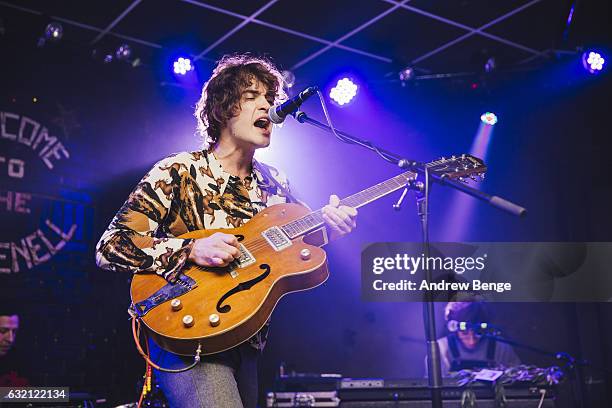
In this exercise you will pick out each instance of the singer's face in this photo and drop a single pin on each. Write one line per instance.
(468, 338)
(251, 126)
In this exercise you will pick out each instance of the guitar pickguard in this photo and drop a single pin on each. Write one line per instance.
(167, 292)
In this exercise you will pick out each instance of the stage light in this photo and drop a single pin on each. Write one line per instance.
(289, 78)
(406, 74)
(124, 52)
(593, 62)
(490, 65)
(344, 91)
(182, 66)
(488, 118)
(54, 31)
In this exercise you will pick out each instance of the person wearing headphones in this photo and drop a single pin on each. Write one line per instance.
(465, 347)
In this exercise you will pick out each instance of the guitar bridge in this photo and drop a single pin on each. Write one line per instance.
(245, 259)
(276, 238)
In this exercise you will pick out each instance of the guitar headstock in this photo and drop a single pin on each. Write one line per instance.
(458, 167)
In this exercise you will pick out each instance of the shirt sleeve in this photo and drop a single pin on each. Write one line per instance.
(137, 239)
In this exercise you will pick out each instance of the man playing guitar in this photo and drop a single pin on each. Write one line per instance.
(221, 186)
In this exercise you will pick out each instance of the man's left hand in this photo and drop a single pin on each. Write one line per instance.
(340, 219)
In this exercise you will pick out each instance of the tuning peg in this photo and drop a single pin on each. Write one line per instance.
(463, 156)
(482, 176)
(453, 157)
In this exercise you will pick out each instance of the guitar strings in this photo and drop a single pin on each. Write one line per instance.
(259, 243)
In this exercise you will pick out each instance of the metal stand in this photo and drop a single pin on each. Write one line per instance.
(429, 317)
(422, 192)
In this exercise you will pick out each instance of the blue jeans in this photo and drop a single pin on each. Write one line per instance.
(223, 380)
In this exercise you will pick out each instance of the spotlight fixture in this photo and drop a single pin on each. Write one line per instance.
(124, 52)
(490, 65)
(488, 118)
(593, 62)
(54, 31)
(406, 74)
(182, 66)
(344, 91)
(289, 78)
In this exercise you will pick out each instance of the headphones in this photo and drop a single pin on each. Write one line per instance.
(454, 326)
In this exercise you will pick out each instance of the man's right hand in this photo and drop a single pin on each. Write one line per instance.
(217, 250)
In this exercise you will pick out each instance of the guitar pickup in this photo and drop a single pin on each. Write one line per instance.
(276, 238)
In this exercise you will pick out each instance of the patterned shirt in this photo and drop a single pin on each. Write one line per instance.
(184, 192)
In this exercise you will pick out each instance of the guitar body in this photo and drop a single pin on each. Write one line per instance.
(243, 298)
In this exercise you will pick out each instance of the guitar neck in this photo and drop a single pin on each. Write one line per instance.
(315, 220)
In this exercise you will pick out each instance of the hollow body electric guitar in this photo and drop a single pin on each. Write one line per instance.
(215, 309)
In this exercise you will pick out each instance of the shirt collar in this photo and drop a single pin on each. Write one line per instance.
(258, 172)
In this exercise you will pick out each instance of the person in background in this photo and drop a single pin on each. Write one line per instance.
(11, 371)
(465, 347)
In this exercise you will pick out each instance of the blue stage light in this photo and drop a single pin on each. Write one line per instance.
(593, 62)
(344, 91)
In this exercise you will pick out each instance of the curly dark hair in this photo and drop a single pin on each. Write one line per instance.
(220, 99)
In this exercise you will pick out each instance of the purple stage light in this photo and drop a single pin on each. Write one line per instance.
(488, 118)
(182, 66)
(406, 74)
(593, 61)
(344, 91)
(124, 52)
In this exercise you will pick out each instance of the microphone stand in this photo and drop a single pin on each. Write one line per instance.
(422, 191)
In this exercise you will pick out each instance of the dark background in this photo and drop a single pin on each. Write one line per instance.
(549, 152)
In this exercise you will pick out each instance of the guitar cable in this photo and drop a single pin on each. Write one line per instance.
(136, 334)
(364, 143)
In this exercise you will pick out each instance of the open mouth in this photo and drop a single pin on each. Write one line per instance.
(262, 123)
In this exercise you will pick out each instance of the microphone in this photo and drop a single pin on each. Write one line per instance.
(278, 113)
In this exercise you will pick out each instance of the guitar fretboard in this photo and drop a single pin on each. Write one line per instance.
(315, 220)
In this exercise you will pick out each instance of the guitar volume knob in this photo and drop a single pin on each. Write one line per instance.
(305, 254)
(214, 320)
(188, 321)
(176, 305)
